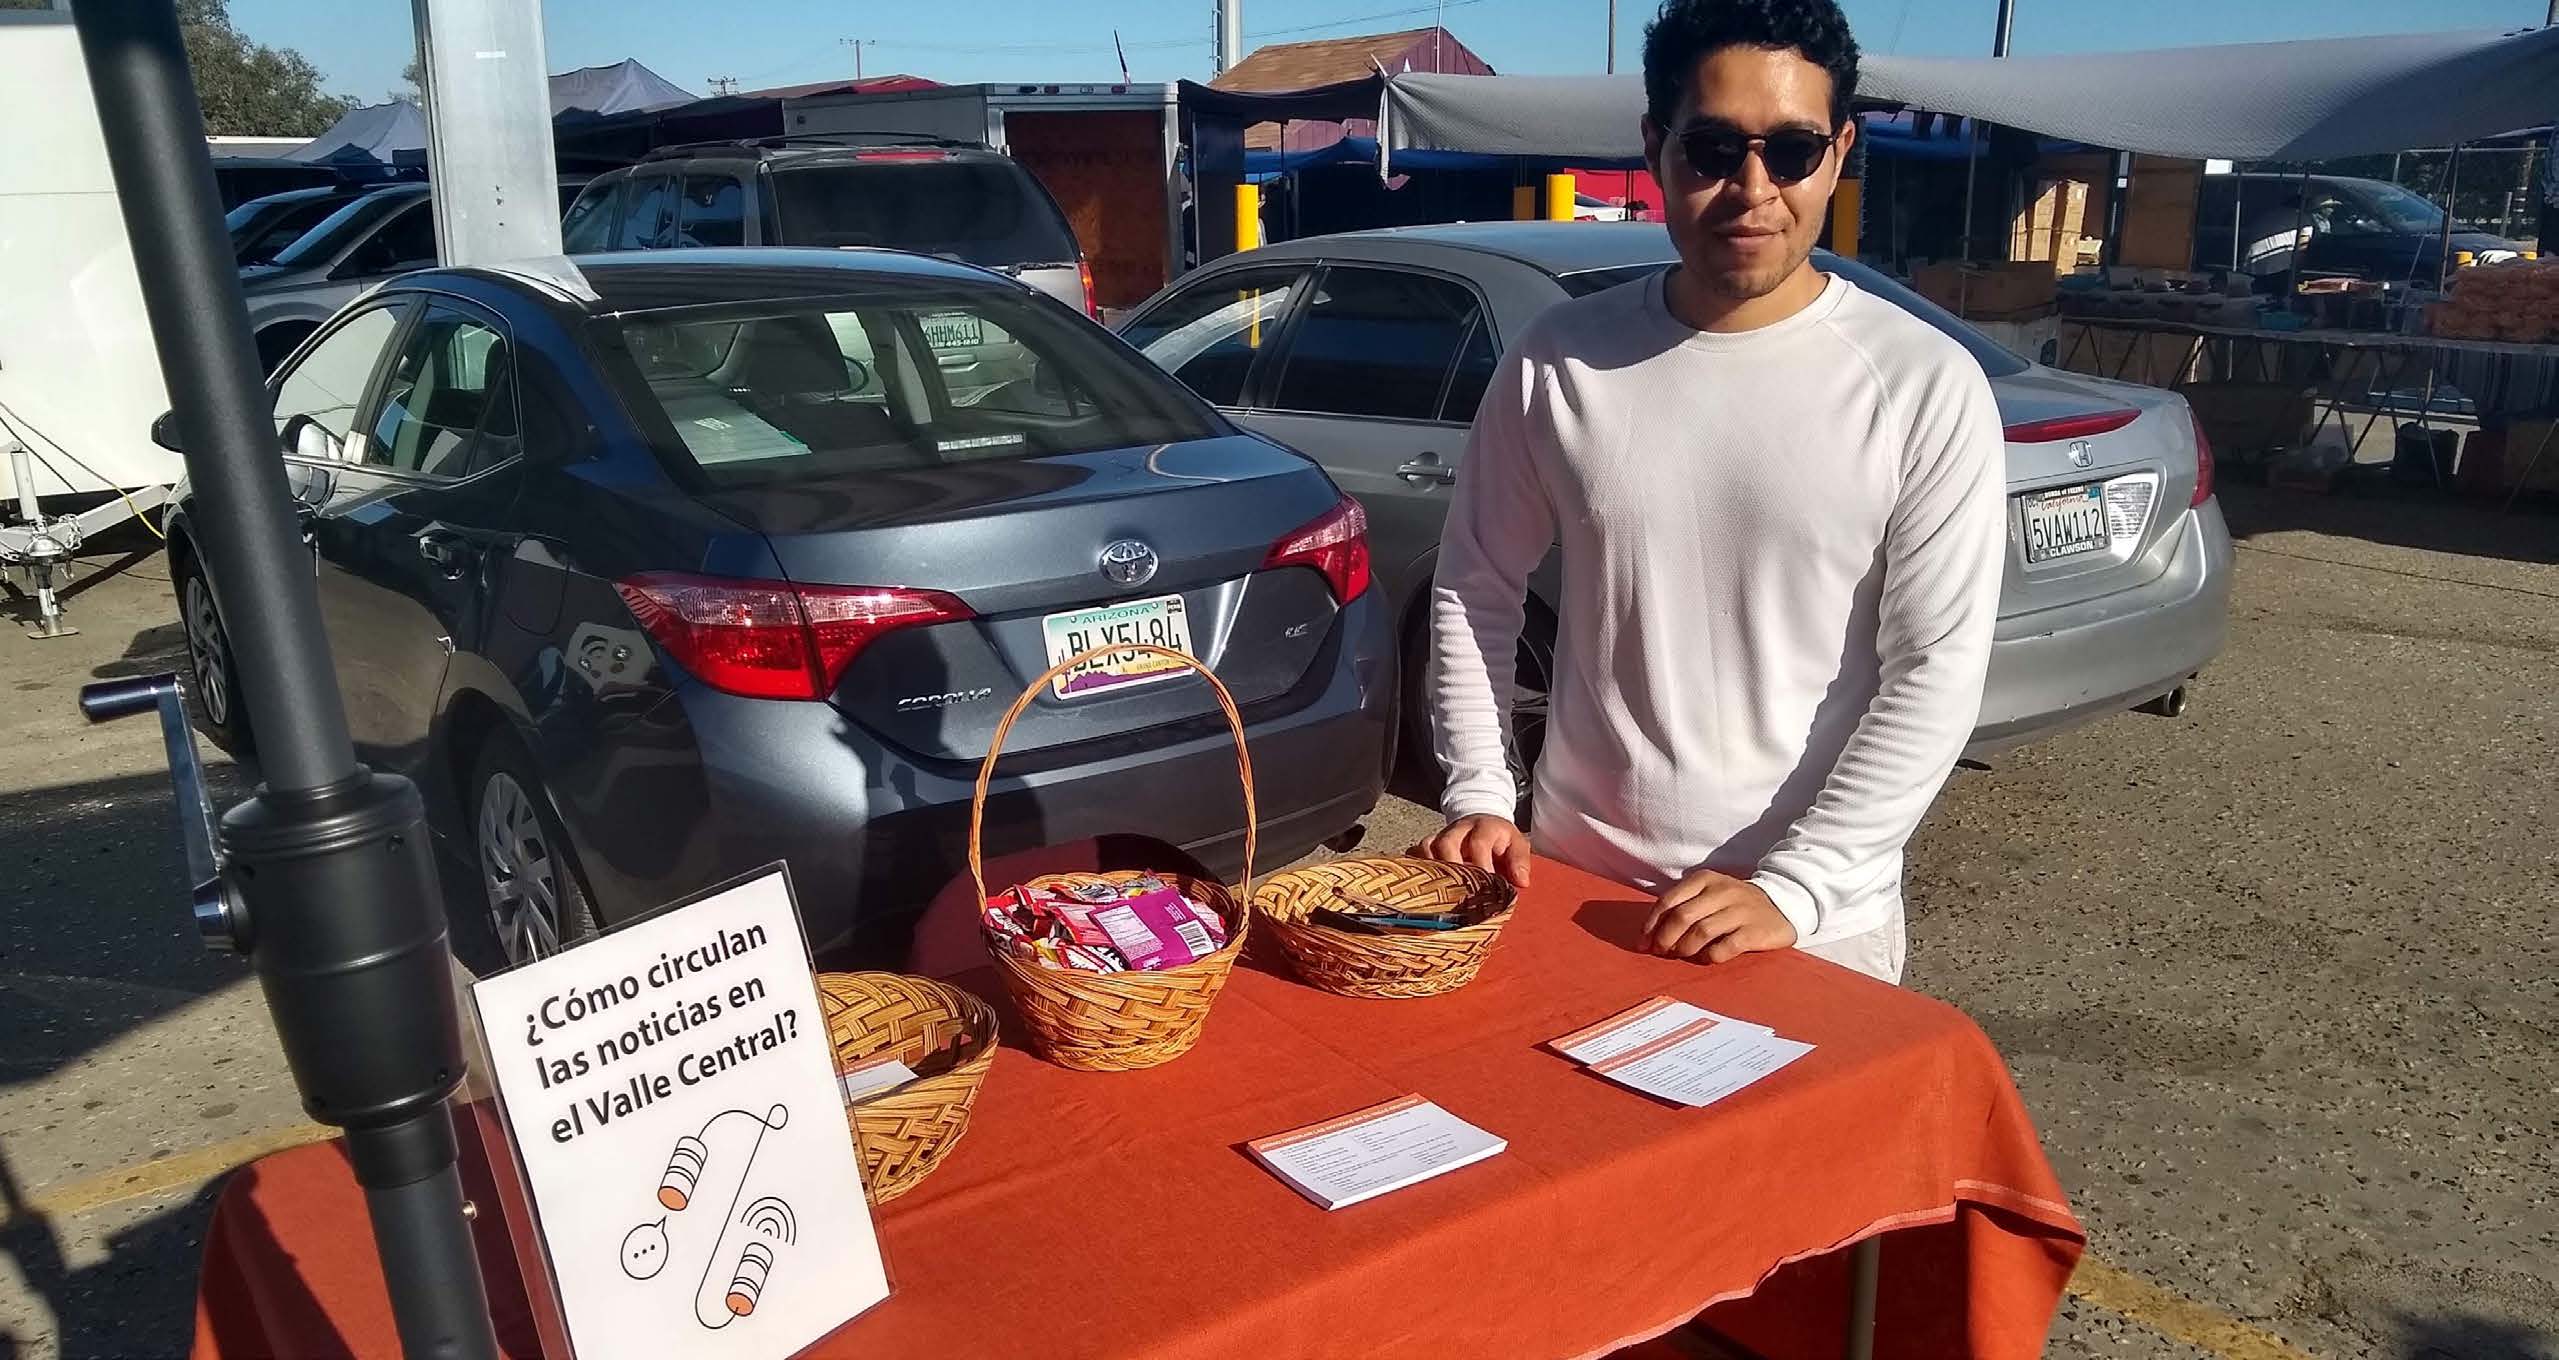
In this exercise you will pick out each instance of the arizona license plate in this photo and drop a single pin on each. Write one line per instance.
(1160, 622)
(953, 330)
(2062, 523)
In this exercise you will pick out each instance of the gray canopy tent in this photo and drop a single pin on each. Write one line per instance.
(2306, 100)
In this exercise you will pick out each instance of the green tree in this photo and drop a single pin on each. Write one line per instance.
(248, 88)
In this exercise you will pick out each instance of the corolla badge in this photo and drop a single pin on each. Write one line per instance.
(1129, 563)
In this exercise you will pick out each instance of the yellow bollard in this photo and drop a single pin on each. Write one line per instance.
(1559, 198)
(1248, 217)
(1843, 218)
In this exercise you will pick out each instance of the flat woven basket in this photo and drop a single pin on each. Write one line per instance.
(931, 1027)
(1119, 1022)
(1403, 963)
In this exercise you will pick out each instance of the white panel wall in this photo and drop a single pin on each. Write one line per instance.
(76, 361)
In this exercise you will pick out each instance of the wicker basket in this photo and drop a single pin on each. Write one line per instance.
(933, 1028)
(1119, 1022)
(1400, 963)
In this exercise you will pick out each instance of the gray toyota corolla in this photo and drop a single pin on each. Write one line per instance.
(656, 568)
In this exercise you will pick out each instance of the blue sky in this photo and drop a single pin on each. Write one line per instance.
(361, 46)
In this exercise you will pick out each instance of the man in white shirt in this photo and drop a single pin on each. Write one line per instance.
(1778, 501)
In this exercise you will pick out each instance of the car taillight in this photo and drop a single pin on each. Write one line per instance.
(2070, 427)
(1084, 271)
(2203, 463)
(1336, 545)
(901, 157)
(773, 639)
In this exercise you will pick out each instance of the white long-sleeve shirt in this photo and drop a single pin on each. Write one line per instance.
(1781, 565)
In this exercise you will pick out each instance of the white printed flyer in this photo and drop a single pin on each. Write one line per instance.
(677, 1118)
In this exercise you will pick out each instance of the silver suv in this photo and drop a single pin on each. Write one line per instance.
(956, 200)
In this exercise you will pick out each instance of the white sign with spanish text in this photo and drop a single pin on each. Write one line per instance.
(677, 1119)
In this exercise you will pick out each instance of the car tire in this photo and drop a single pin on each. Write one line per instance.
(1535, 671)
(530, 886)
(212, 672)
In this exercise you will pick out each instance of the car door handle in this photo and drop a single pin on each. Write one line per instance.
(1427, 468)
(446, 553)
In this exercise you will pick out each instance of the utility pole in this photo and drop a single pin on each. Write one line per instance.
(1612, 35)
(489, 145)
(857, 44)
(1230, 35)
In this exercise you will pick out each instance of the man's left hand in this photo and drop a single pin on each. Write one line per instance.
(1718, 916)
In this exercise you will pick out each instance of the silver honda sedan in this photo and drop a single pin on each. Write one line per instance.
(1369, 351)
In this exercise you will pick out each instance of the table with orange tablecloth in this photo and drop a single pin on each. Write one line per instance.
(1118, 1215)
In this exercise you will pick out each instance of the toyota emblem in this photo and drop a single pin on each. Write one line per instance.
(2079, 453)
(1129, 563)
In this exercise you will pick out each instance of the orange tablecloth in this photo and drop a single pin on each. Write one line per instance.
(1611, 1219)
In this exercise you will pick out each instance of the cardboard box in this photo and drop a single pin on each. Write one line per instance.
(1994, 291)
(2049, 227)
(2159, 212)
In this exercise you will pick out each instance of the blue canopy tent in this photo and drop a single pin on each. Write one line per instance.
(376, 131)
(395, 133)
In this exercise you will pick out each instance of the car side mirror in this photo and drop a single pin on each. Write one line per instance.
(2050, 354)
(164, 432)
(311, 441)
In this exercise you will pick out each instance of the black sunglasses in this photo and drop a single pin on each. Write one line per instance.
(1790, 155)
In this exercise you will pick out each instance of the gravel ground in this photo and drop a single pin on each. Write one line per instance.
(2275, 978)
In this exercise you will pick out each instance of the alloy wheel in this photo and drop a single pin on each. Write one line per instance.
(208, 651)
(519, 872)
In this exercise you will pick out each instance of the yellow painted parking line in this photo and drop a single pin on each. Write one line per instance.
(73, 1198)
(2118, 1291)
(2175, 1316)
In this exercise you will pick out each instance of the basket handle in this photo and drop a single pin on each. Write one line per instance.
(995, 748)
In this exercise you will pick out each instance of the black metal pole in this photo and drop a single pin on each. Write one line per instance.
(335, 883)
(2451, 196)
(2008, 23)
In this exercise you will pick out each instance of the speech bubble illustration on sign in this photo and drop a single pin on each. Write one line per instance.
(692, 1166)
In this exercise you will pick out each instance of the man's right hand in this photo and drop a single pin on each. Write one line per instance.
(1490, 843)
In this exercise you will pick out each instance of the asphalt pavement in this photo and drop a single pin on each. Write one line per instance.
(2276, 978)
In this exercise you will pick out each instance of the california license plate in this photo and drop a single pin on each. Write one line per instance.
(1160, 622)
(953, 330)
(2062, 523)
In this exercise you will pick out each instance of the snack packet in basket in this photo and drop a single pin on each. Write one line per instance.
(1160, 929)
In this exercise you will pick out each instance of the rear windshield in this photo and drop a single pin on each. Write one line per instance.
(896, 379)
(981, 211)
(322, 242)
(259, 230)
(1995, 359)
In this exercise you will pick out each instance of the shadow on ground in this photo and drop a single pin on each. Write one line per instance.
(122, 1305)
(2405, 517)
(2468, 1336)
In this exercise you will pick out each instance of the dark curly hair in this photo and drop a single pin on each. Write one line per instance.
(1686, 30)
